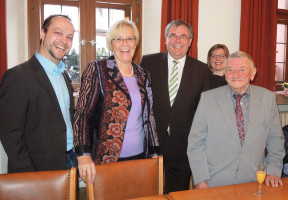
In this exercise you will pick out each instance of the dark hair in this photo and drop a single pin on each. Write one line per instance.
(47, 22)
(213, 48)
(177, 23)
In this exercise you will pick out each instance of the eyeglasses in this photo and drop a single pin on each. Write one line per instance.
(215, 56)
(175, 37)
(121, 40)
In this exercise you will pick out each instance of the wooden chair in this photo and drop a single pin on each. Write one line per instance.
(42, 185)
(127, 179)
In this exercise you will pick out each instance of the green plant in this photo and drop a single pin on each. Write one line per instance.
(285, 85)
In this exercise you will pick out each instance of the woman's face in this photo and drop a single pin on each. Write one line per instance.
(217, 60)
(124, 45)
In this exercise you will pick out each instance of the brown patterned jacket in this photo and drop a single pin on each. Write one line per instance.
(103, 108)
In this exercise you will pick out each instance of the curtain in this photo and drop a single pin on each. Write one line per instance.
(3, 52)
(187, 10)
(258, 38)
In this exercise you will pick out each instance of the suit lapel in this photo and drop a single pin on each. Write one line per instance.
(162, 67)
(43, 79)
(226, 105)
(115, 75)
(70, 90)
(253, 111)
(184, 82)
(141, 81)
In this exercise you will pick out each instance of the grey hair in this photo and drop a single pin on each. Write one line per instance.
(176, 23)
(240, 54)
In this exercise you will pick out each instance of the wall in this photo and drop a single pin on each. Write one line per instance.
(151, 26)
(219, 22)
(17, 37)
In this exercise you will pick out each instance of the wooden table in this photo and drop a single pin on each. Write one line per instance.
(156, 197)
(243, 191)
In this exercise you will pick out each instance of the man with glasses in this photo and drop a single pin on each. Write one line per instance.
(177, 82)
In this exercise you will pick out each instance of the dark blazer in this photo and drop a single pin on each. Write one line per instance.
(195, 80)
(32, 128)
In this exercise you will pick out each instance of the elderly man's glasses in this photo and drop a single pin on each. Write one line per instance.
(175, 37)
(121, 40)
(215, 56)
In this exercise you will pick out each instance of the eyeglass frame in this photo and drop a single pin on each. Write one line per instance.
(173, 36)
(121, 39)
(215, 56)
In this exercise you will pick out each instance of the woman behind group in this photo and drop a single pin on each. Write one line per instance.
(116, 101)
(216, 57)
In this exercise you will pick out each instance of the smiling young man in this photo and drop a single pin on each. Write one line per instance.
(177, 81)
(233, 127)
(36, 105)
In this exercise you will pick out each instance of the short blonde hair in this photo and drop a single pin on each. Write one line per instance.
(118, 27)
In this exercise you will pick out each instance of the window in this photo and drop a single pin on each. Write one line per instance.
(281, 66)
(91, 20)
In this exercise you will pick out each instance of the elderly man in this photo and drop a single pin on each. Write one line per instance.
(177, 81)
(232, 127)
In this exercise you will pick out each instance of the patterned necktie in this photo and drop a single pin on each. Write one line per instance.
(239, 118)
(173, 83)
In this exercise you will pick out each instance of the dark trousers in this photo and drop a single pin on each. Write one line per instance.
(177, 175)
(71, 160)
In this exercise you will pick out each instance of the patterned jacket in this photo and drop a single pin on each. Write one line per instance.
(103, 108)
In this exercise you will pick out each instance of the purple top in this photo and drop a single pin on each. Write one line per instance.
(133, 143)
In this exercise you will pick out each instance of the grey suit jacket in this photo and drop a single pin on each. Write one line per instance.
(214, 149)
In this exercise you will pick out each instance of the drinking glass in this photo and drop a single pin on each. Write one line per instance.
(261, 174)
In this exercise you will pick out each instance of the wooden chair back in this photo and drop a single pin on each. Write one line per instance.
(127, 179)
(56, 185)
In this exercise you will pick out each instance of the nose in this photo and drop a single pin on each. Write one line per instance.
(236, 73)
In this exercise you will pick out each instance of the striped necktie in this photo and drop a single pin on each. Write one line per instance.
(173, 83)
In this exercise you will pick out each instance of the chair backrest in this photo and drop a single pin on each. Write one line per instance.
(39, 185)
(127, 179)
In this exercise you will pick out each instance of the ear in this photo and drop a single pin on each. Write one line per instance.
(190, 41)
(42, 34)
(253, 73)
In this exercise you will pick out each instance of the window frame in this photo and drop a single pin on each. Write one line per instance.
(87, 7)
(282, 18)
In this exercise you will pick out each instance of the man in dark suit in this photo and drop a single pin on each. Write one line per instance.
(177, 81)
(36, 104)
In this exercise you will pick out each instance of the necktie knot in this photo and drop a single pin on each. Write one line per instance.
(175, 62)
(237, 97)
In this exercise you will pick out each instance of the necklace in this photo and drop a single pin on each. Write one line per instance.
(128, 75)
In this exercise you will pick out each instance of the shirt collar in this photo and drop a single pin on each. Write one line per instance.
(246, 93)
(49, 66)
(170, 59)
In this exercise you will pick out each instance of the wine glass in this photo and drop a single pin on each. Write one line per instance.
(261, 174)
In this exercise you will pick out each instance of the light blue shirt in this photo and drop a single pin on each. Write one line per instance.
(57, 80)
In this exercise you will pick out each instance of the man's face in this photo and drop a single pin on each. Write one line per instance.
(238, 74)
(57, 41)
(178, 41)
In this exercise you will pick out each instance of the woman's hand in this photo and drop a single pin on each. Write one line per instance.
(87, 168)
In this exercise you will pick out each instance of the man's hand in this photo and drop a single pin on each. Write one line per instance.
(86, 168)
(202, 185)
(274, 181)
